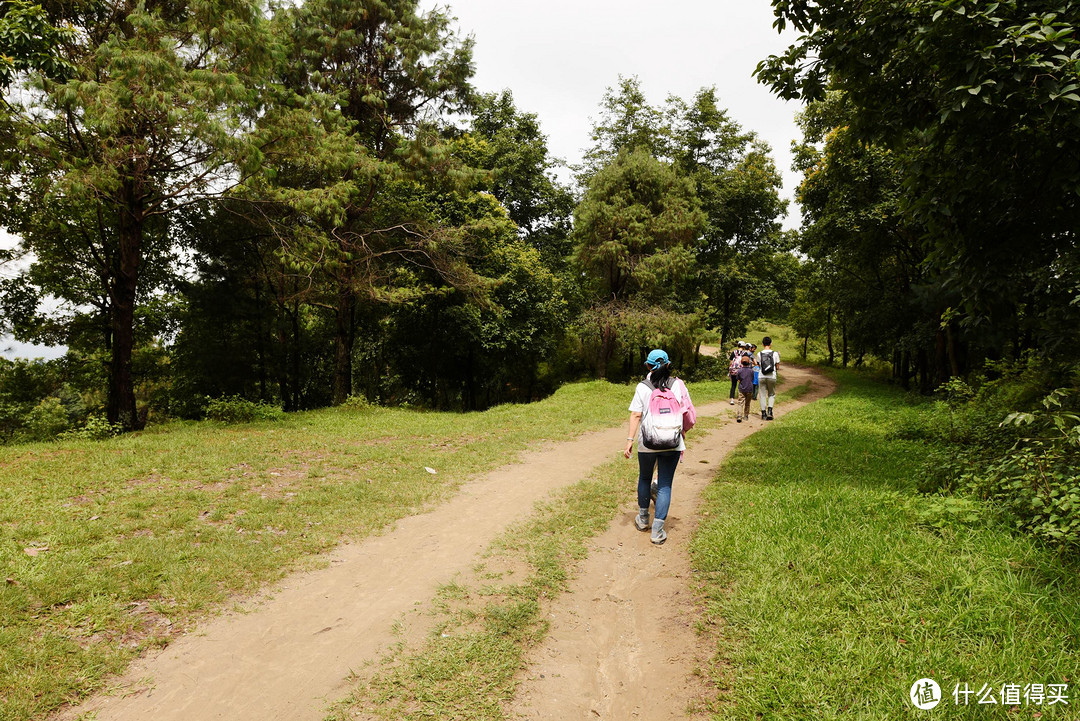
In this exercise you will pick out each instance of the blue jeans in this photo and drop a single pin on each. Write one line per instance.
(666, 462)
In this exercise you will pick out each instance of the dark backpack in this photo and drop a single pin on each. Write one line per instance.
(768, 362)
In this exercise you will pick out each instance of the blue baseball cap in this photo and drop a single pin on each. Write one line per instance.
(657, 358)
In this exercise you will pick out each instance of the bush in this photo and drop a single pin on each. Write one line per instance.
(46, 420)
(240, 410)
(96, 428)
(357, 403)
(708, 368)
(1037, 481)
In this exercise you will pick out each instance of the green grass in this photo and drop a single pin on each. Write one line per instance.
(147, 532)
(833, 594)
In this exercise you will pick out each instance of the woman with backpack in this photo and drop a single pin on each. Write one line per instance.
(660, 413)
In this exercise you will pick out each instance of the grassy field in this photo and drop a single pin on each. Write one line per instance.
(835, 586)
(110, 547)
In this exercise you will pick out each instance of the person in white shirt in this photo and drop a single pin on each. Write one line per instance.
(665, 461)
(769, 360)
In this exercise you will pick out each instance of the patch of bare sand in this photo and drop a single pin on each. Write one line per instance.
(291, 652)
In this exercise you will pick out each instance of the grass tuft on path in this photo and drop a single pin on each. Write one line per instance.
(832, 594)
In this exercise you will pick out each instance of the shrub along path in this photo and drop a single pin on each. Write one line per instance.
(291, 651)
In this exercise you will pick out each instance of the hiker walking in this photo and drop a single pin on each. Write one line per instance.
(754, 362)
(769, 363)
(660, 413)
(733, 369)
(746, 389)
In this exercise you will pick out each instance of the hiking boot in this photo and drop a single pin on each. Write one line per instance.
(764, 416)
(731, 402)
(659, 535)
(642, 520)
(738, 419)
(769, 417)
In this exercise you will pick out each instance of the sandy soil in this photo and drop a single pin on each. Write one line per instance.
(622, 643)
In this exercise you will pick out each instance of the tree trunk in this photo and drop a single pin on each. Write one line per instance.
(905, 370)
(923, 369)
(470, 383)
(344, 336)
(805, 346)
(954, 356)
(294, 317)
(260, 341)
(828, 333)
(941, 357)
(607, 347)
(844, 352)
(120, 407)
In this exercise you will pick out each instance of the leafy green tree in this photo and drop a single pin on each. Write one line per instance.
(980, 103)
(366, 82)
(510, 145)
(147, 118)
(29, 42)
(465, 350)
(734, 178)
(635, 234)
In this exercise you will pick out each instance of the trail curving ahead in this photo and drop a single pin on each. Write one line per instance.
(622, 643)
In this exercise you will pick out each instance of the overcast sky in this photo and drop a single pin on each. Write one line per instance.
(559, 56)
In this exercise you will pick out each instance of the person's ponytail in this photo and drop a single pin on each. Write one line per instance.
(659, 375)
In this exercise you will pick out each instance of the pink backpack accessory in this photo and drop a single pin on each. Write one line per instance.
(689, 413)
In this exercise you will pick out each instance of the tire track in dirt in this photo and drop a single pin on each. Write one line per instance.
(290, 653)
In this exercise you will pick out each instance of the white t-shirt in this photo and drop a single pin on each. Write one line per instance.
(776, 364)
(641, 402)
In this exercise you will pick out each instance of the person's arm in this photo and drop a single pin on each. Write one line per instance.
(631, 434)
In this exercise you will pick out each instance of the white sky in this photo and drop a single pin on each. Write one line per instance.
(559, 56)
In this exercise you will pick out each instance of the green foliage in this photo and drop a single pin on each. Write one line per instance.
(635, 230)
(510, 145)
(30, 42)
(741, 269)
(1037, 481)
(1020, 465)
(148, 116)
(96, 428)
(921, 90)
(46, 420)
(239, 410)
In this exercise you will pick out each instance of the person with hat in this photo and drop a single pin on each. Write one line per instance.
(733, 367)
(663, 460)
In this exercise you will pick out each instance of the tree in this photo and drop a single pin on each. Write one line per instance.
(979, 103)
(635, 234)
(627, 122)
(148, 117)
(30, 41)
(509, 144)
(370, 79)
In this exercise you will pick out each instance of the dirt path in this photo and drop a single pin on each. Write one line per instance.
(290, 654)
